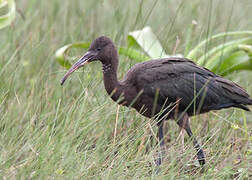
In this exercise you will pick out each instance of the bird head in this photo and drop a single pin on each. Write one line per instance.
(102, 49)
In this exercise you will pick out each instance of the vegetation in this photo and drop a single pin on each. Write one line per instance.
(77, 131)
(7, 17)
(224, 59)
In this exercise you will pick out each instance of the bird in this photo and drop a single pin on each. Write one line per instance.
(166, 88)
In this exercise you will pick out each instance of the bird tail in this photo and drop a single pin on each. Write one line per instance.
(244, 104)
(250, 101)
(235, 92)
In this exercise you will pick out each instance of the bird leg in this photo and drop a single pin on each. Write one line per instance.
(161, 143)
(182, 131)
(184, 123)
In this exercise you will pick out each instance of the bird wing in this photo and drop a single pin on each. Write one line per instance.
(195, 86)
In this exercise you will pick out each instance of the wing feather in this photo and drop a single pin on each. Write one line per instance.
(180, 78)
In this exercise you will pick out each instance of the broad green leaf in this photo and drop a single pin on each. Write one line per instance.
(194, 52)
(132, 43)
(6, 19)
(133, 54)
(225, 59)
(148, 41)
(247, 48)
(218, 50)
(60, 53)
(236, 62)
(3, 3)
(240, 60)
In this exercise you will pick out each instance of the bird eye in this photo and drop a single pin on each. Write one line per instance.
(98, 49)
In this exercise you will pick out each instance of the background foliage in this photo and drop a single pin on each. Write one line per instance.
(76, 131)
(7, 17)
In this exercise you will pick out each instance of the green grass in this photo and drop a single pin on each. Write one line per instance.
(53, 132)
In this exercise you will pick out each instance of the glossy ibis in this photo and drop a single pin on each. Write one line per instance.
(168, 88)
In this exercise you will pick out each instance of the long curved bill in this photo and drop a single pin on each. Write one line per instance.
(81, 62)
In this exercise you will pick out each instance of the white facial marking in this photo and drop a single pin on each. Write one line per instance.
(106, 68)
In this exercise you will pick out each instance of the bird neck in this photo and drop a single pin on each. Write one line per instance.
(111, 83)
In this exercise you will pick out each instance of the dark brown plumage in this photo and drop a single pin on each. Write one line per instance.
(169, 88)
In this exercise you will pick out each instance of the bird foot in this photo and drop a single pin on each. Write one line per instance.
(201, 157)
